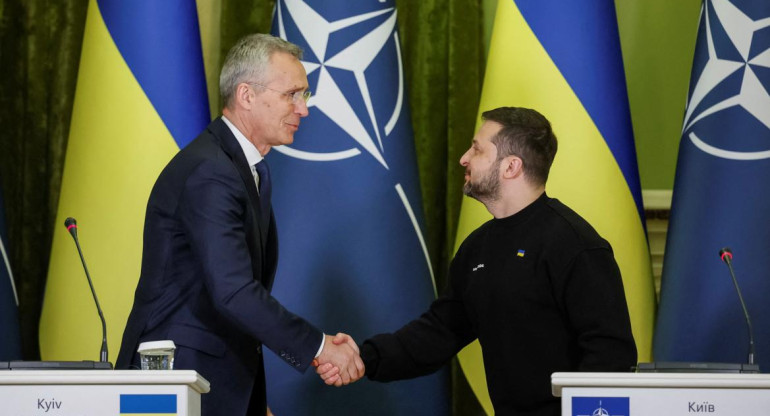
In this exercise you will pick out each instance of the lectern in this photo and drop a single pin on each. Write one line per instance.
(662, 394)
(101, 392)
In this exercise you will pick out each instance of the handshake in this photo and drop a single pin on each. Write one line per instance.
(339, 362)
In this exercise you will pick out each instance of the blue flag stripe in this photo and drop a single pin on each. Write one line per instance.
(147, 403)
(6, 261)
(590, 69)
(151, 33)
(8, 271)
(10, 338)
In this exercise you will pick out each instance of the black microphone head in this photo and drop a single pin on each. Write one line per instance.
(72, 226)
(726, 254)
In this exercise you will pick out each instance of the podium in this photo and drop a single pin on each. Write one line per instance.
(101, 392)
(661, 394)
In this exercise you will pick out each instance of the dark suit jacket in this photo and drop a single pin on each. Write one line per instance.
(207, 269)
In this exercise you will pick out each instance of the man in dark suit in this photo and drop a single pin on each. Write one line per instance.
(210, 247)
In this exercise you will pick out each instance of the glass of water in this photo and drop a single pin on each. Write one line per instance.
(157, 355)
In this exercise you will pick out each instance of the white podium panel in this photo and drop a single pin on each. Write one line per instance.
(101, 392)
(662, 394)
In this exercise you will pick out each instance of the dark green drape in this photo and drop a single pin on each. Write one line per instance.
(443, 60)
(40, 43)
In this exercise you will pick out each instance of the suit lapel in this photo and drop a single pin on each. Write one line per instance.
(233, 149)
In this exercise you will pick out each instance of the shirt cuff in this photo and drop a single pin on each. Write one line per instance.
(321, 348)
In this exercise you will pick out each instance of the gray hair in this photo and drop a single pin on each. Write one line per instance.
(248, 61)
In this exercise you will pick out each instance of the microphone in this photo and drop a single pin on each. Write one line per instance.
(72, 227)
(727, 256)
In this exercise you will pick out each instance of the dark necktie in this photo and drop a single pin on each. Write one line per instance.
(265, 189)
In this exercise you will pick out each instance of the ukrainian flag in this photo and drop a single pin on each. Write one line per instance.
(140, 97)
(564, 60)
(147, 404)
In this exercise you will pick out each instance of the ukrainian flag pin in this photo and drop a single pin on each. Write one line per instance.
(520, 253)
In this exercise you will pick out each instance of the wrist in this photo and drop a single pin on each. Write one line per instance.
(320, 350)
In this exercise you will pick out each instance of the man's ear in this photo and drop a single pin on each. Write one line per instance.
(244, 96)
(513, 167)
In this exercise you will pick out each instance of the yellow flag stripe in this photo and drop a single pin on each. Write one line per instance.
(584, 176)
(117, 147)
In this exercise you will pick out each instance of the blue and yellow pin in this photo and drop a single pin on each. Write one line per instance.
(520, 253)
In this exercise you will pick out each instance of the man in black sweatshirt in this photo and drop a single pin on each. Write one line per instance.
(537, 285)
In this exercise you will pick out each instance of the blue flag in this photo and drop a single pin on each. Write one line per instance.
(721, 194)
(347, 202)
(10, 340)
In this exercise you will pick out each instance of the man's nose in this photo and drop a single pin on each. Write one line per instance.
(464, 158)
(300, 108)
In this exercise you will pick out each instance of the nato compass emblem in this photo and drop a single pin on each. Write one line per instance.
(338, 75)
(600, 406)
(352, 56)
(728, 110)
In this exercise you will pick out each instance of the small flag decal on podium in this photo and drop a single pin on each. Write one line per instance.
(605, 406)
(147, 404)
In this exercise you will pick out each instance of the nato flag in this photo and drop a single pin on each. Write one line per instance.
(347, 202)
(721, 194)
(10, 343)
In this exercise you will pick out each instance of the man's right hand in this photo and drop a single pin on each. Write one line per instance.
(341, 360)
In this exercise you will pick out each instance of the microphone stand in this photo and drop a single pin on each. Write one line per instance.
(72, 227)
(727, 257)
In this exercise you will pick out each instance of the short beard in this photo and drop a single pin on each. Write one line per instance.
(487, 189)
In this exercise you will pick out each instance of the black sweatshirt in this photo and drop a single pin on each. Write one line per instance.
(540, 290)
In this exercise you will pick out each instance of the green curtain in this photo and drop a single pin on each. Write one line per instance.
(40, 42)
(444, 65)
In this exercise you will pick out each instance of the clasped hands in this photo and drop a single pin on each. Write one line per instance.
(340, 361)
